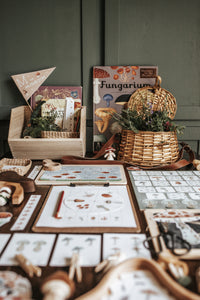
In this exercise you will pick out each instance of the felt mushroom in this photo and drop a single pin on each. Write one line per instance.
(98, 73)
(57, 286)
(107, 98)
(38, 245)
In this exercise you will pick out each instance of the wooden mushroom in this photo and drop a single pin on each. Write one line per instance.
(57, 286)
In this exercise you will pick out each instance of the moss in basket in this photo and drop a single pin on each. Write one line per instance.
(146, 120)
(37, 124)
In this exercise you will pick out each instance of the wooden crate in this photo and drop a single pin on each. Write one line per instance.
(41, 148)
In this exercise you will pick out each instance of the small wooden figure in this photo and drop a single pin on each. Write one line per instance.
(110, 155)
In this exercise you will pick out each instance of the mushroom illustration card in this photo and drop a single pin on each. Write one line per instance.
(128, 244)
(112, 88)
(4, 237)
(137, 284)
(166, 189)
(87, 208)
(184, 224)
(112, 174)
(88, 248)
(35, 247)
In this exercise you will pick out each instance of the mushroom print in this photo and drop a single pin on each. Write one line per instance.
(105, 114)
(21, 245)
(107, 98)
(90, 241)
(77, 249)
(67, 240)
(115, 238)
(98, 73)
(38, 245)
(149, 293)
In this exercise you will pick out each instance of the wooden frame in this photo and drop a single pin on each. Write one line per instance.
(129, 265)
(49, 212)
(194, 253)
(68, 179)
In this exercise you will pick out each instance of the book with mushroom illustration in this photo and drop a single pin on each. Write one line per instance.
(112, 87)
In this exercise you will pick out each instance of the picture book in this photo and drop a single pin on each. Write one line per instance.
(112, 88)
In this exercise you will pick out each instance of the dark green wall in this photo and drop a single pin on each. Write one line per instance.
(75, 35)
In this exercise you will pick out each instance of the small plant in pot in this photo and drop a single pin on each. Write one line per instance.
(37, 123)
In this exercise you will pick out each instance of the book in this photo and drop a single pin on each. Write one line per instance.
(112, 88)
(57, 92)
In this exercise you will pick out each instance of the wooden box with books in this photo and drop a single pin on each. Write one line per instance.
(51, 147)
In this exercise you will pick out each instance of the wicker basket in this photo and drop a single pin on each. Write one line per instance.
(156, 97)
(59, 135)
(148, 149)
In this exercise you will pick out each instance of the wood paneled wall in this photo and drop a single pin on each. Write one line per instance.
(75, 35)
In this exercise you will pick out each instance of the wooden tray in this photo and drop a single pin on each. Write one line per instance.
(102, 289)
(20, 166)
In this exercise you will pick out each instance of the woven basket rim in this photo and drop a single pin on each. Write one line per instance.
(170, 102)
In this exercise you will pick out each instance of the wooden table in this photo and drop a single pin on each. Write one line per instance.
(90, 279)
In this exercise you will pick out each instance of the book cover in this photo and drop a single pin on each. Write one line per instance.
(57, 92)
(112, 88)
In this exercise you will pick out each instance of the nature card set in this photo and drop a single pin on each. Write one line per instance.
(166, 189)
(91, 174)
(45, 249)
(183, 224)
(88, 208)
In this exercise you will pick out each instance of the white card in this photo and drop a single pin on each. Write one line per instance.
(88, 247)
(88, 206)
(4, 237)
(26, 213)
(35, 247)
(131, 245)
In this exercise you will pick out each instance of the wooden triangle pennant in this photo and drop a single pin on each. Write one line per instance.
(28, 83)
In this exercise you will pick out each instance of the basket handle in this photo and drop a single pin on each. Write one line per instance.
(158, 82)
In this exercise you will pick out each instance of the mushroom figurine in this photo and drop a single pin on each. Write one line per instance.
(57, 286)
(110, 155)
